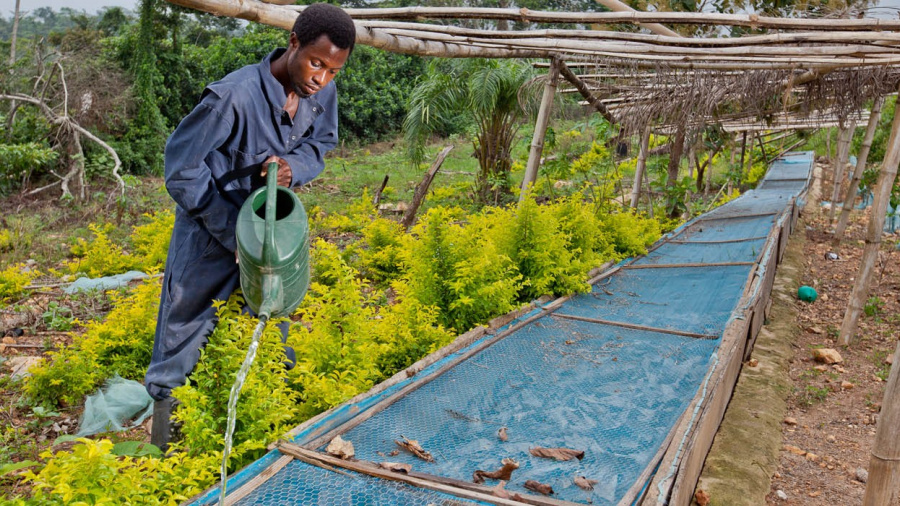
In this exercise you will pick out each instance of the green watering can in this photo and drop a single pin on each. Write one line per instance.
(273, 249)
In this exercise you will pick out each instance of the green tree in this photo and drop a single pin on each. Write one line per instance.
(484, 92)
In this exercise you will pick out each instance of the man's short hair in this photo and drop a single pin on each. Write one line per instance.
(325, 19)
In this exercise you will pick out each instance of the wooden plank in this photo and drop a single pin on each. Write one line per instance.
(701, 439)
(442, 484)
(673, 266)
(659, 489)
(721, 241)
(634, 326)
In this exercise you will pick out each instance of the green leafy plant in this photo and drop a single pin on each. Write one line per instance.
(58, 317)
(873, 306)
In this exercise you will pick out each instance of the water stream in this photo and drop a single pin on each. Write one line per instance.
(233, 398)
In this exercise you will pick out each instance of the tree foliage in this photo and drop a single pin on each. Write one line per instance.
(486, 94)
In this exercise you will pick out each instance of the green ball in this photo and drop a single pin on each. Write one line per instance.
(807, 294)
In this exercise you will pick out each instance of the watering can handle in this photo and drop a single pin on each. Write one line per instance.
(269, 253)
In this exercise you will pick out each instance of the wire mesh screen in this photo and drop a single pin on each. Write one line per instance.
(614, 393)
(691, 299)
(301, 483)
(696, 252)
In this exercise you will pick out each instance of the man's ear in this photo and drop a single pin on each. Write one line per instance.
(293, 42)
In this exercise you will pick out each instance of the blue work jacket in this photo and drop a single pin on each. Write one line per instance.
(214, 157)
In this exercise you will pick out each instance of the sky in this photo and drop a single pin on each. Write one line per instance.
(8, 7)
(888, 8)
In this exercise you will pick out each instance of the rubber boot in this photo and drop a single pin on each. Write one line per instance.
(164, 431)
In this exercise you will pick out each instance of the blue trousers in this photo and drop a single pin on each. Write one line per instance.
(198, 270)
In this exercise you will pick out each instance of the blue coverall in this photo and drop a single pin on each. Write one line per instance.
(212, 164)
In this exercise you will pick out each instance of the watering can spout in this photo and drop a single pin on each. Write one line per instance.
(273, 249)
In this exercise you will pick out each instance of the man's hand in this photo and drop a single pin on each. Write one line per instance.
(285, 176)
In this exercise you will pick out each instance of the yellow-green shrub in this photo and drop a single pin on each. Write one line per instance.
(267, 407)
(100, 256)
(121, 344)
(630, 233)
(357, 215)
(151, 240)
(379, 249)
(91, 474)
(5, 239)
(336, 352)
(459, 270)
(13, 281)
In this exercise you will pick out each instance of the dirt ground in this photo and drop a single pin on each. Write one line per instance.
(830, 424)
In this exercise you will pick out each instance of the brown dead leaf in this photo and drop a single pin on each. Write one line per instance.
(541, 488)
(584, 483)
(394, 453)
(504, 473)
(557, 453)
(413, 446)
(702, 497)
(340, 448)
(499, 491)
(502, 434)
(396, 467)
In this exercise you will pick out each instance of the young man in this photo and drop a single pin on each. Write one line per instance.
(283, 109)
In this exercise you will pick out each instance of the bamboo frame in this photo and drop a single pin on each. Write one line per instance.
(850, 197)
(873, 236)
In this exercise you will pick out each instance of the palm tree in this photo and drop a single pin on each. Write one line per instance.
(482, 92)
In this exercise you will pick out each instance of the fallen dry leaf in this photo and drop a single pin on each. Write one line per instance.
(502, 434)
(585, 483)
(557, 453)
(394, 453)
(702, 497)
(504, 473)
(541, 488)
(413, 446)
(396, 467)
(340, 448)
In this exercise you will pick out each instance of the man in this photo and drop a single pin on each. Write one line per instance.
(283, 109)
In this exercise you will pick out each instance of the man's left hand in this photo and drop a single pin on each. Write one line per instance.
(285, 176)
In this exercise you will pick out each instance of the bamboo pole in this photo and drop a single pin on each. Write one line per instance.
(641, 165)
(582, 88)
(850, 197)
(664, 40)
(843, 154)
(873, 238)
(526, 15)
(883, 487)
(617, 6)
(540, 129)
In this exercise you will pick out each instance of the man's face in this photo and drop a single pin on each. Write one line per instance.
(313, 66)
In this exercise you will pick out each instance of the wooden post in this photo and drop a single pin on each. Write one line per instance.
(540, 129)
(641, 165)
(883, 487)
(843, 154)
(873, 238)
(762, 148)
(850, 197)
(410, 217)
